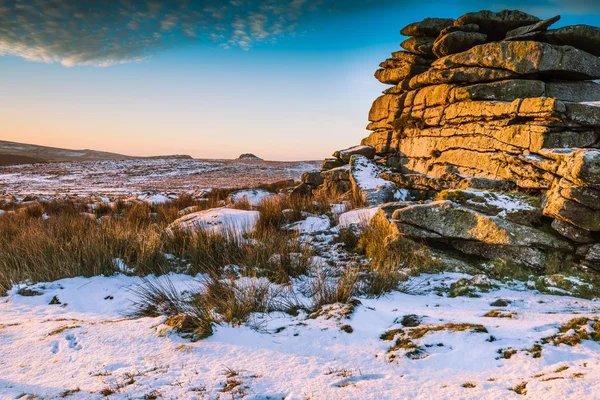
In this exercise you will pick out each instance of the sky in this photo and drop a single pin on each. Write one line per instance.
(283, 79)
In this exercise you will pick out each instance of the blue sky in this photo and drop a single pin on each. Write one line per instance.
(286, 80)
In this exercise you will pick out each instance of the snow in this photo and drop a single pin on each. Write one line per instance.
(219, 220)
(360, 216)
(115, 178)
(591, 103)
(337, 209)
(355, 149)
(2, 212)
(366, 174)
(87, 343)
(121, 266)
(507, 202)
(311, 225)
(253, 196)
(156, 198)
(401, 195)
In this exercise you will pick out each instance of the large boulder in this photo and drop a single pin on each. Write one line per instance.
(534, 28)
(505, 90)
(312, 178)
(584, 37)
(346, 154)
(337, 174)
(366, 182)
(380, 140)
(459, 28)
(456, 42)
(513, 206)
(453, 221)
(497, 24)
(575, 233)
(331, 163)
(527, 57)
(576, 91)
(587, 196)
(383, 107)
(393, 76)
(460, 75)
(528, 256)
(406, 57)
(422, 45)
(427, 27)
(581, 166)
(558, 207)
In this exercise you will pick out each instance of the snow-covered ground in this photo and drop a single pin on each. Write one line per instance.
(123, 177)
(87, 346)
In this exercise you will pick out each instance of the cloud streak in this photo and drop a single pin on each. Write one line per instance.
(108, 32)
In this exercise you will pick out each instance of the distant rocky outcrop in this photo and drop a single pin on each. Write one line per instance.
(492, 126)
(249, 156)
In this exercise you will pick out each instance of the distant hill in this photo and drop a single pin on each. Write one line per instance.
(12, 159)
(12, 153)
(249, 156)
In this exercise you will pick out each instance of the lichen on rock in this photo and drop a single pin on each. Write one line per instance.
(491, 128)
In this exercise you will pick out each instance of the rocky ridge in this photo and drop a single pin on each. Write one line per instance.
(491, 127)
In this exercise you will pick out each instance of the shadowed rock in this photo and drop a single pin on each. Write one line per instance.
(534, 28)
(427, 27)
(456, 42)
(526, 58)
(496, 25)
(422, 45)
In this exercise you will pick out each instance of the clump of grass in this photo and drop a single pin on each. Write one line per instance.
(33, 211)
(70, 392)
(405, 338)
(391, 334)
(469, 385)
(274, 254)
(499, 314)
(349, 239)
(561, 369)
(570, 334)
(521, 388)
(325, 289)
(235, 301)
(410, 320)
(393, 257)
(277, 211)
(215, 300)
(507, 353)
(535, 351)
(574, 331)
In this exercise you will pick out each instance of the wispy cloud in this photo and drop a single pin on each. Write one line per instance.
(108, 32)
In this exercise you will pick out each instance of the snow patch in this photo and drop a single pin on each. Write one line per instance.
(219, 220)
(253, 196)
(360, 216)
(311, 225)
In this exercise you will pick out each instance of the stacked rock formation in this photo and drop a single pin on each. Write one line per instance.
(492, 124)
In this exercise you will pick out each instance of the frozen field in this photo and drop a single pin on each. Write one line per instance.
(85, 346)
(130, 176)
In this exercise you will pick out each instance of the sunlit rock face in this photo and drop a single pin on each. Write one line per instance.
(491, 123)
